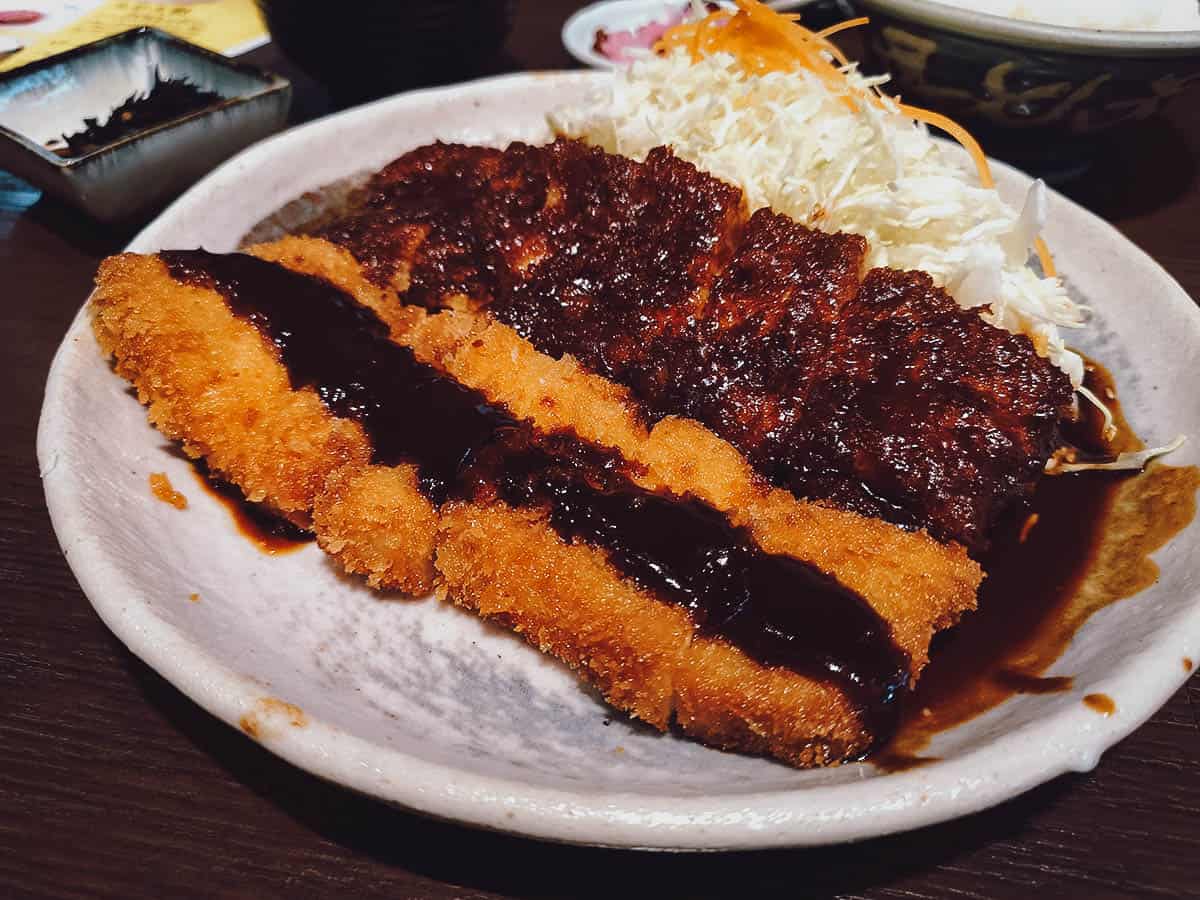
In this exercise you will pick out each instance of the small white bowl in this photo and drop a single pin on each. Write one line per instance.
(579, 31)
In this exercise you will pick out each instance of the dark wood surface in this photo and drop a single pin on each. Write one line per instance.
(114, 784)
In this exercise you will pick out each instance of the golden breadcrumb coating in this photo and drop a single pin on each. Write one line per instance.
(335, 265)
(376, 522)
(212, 381)
(509, 565)
(727, 700)
(918, 584)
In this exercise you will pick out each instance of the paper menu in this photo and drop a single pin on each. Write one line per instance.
(226, 26)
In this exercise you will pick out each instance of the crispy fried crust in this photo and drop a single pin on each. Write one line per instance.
(918, 584)
(339, 267)
(509, 566)
(213, 382)
(376, 522)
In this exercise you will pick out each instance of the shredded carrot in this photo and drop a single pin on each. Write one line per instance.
(763, 41)
(842, 26)
(1043, 253)
(833, 49)
(957, 132)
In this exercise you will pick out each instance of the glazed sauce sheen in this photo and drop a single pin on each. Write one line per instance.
(779, 610)
(270, 533)
(341, 350)
(1088, 547)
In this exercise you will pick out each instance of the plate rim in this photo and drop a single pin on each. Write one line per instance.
(804, 816)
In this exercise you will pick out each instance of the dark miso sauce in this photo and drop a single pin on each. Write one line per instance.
(1023, 683)
(270, 533)
(779, 610)
(1088, 547)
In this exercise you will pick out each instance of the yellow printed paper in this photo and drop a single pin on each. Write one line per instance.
(225, 26)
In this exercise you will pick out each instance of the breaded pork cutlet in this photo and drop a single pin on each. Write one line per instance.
(661, 227)
(649, 275)
(546, 565)
(883, 397)
(414, 233)
(921, 585)
(211, 382)
(449, 225)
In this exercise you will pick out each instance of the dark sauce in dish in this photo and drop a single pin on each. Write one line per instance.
(1023, 683)
(779, 610)
(167, 99)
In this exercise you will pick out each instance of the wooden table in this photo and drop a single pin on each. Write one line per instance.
(112, 783)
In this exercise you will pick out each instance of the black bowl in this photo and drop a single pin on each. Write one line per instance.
(1037, 95)
(368, 48)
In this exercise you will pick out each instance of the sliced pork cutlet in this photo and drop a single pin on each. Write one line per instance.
(633, 261)
(448, 225)
(891, 401)
(596, 252)
(886, 398)
(416, 233)
(883, 396)
(671, 608)
(922, 413)
(546, 202)
(769, 316)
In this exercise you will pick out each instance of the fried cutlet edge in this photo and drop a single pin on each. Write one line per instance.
(210, 381)
(717, 694)
(509, 566)
(956, 496)
(880, 560)
(918, 584)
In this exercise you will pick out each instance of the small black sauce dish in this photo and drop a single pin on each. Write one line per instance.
(166, 146)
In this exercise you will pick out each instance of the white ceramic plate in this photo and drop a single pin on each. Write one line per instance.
(424, 705)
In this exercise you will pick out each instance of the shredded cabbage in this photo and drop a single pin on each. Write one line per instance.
(791, 143)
